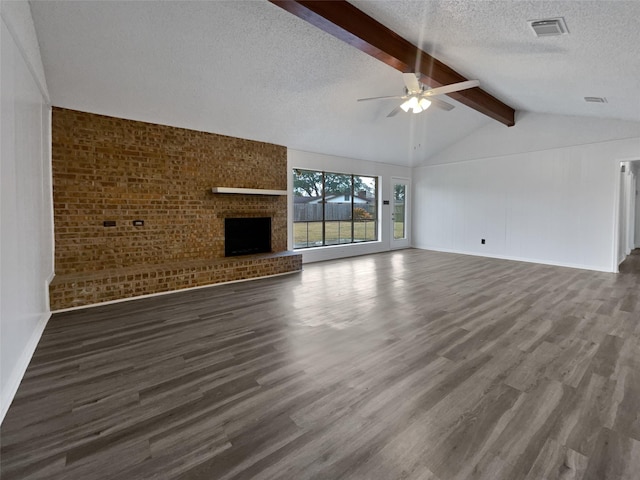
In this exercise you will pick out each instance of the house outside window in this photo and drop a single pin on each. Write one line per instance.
(333, 208)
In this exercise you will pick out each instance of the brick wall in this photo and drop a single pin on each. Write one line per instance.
(107, 168)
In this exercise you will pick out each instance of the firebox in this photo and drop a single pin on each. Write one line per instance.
(247, 235)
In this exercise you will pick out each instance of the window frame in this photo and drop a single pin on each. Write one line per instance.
(352, 204)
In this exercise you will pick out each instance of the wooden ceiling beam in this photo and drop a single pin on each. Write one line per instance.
(344, 21)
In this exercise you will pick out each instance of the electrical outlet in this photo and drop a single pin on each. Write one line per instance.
(483, 241)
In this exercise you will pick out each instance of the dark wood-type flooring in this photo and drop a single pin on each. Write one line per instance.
(404, 365)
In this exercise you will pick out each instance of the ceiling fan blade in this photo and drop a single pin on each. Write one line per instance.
(394, 112)
(411, 82)
(380, 98)
(454, 87)
(436, 102)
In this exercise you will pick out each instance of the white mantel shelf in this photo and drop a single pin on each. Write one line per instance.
(248, 191)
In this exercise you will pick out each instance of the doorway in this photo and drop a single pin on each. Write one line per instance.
(400, 213)
(628, 231)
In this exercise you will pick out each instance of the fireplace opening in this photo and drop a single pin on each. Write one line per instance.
(247, 235)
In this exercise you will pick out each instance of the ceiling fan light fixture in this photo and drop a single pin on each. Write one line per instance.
(424, 103)
(417, 99)
(415, 105)
(411, 103)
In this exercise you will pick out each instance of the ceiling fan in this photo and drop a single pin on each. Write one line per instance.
(418, 97)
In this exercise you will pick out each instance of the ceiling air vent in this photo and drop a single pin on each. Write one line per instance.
(595, 99)
(549, 27)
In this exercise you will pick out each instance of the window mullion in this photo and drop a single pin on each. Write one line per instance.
(352, 213)
(324, 206)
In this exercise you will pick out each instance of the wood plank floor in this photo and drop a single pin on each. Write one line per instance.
(404, 365)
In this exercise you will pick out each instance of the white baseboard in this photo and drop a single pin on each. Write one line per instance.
(518, 259)
(21, 367)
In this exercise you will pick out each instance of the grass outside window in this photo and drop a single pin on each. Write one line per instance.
(309, 234)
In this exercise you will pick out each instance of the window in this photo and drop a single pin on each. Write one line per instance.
(333, 208)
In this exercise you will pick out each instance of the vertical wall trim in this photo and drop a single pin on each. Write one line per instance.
(49, 196)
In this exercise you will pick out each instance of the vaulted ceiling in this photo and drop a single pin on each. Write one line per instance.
(250, 69)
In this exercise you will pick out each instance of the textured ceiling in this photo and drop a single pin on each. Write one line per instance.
(491, 40)
(252, 70)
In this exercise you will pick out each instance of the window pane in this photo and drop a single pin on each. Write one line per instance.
(307, 208)
(365, 209)
(337, 208)
(399, 194)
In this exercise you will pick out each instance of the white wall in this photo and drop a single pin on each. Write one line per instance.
(330, 163)
(26, 226)
(534, 132)
(554, 205)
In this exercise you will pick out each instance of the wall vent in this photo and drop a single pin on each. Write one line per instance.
(595, 99)
(549, 27)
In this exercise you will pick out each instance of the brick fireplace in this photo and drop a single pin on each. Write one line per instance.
(134, 213)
